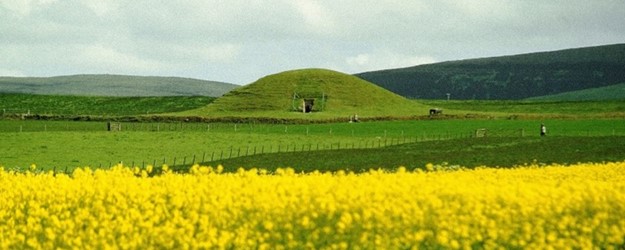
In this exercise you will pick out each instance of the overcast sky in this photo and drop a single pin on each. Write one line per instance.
(239, 41)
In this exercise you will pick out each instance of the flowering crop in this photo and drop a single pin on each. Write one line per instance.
(578, 206)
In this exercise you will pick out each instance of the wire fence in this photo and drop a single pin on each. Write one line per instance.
(258, 149)
(385, 138)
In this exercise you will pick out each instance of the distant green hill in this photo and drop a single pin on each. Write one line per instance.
(508, 77)
(113, 85)
(331, 93)
(612, 92)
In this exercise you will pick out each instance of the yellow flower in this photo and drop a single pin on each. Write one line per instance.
(533, 207)
(429, 167)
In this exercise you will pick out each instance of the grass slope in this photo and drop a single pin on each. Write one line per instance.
(612, 92)
(336, 95)
(91, 105)
(508, 77)
(470, 152)
(114, 85)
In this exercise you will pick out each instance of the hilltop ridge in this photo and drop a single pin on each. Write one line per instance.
(508, 77)
(114, 85)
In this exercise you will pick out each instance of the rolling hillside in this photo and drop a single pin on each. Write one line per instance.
(331, 93)
(508, 77)
(113, 85)
(612, 92)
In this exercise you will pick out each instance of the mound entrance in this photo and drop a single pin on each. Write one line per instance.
(308, 102)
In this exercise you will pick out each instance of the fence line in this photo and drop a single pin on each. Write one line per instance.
(384, 140)
(231, 152)
(301, 129)
(380, 142)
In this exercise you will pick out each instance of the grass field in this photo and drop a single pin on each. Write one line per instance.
(537, 108)
(469, 152)
(97, 106)
(63, 144)
(68, 144)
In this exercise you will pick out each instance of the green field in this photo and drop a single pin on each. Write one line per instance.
(96, 106)
(534, 108)
(319, 140)
(69, 144)
(468, 152)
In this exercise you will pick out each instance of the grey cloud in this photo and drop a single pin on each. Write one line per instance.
(240, 41)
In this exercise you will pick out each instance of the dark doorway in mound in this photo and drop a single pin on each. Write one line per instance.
(308, 105)
(309, 102)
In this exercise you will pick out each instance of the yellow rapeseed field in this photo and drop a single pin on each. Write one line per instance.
(579, 206)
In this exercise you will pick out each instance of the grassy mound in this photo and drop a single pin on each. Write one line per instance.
(334, 94)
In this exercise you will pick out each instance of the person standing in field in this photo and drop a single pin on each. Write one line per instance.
(543, 129)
